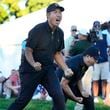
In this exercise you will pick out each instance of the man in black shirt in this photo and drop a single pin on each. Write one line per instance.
(44, 44)
(72, 85)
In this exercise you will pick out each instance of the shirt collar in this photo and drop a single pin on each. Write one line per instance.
(48, 27)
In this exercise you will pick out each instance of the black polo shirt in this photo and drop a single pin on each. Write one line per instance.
(44, 43)
(78, 66)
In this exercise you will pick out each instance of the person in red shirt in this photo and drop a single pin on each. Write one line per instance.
(12, 84)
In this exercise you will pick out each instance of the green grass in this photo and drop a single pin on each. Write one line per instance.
(46, 105)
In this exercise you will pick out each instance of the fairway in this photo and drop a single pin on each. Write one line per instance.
(46, 105)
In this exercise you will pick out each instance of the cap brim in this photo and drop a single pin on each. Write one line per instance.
(61, 8)
(58, 7)
(98, 58)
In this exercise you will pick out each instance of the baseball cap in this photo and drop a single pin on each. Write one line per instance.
(83, 32)
(93, 52)
(96, 23)
(53, 7)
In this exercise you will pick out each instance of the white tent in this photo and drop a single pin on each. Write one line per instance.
(11, 36)
(77, 12)
(83, 12)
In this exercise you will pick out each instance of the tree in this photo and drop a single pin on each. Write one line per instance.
(3, 15)
(9, 8)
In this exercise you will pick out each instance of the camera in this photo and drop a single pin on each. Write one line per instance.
(94, 36)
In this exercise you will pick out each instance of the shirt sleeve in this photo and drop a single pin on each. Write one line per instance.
(61, 41)
(33, 38)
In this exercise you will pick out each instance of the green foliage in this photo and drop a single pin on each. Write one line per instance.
(46, 105)
(13, 8)
(9, 1)
(38, 4)
(3, 14)
(22, 12)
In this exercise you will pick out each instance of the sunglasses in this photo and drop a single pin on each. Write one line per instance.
(74, 30)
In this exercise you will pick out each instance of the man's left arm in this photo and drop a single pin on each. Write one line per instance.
(65, 85)
(61, 63)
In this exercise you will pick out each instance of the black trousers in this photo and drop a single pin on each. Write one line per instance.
(87, 101)
(29, 82)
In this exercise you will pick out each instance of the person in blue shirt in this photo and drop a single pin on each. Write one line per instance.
(72, 85)
(101, 70)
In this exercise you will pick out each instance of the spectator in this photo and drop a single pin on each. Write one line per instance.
(80, 45)
(23, 45)
(12, 84)
(70, 41)
(2, 79)
(106, 30)
(101, 69)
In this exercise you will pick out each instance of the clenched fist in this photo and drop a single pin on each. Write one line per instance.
(68, 72)
(37, 66)
(79, 99)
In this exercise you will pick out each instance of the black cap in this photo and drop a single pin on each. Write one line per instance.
(53, 7)
(96, 23)
(93, 52)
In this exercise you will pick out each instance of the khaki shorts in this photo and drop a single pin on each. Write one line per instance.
(101, 71)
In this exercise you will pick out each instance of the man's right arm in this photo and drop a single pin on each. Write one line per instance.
(30, 59)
